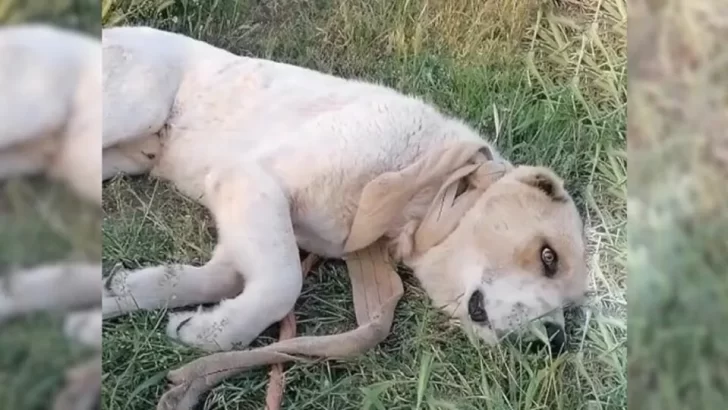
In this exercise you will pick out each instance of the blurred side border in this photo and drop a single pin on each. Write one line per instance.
(678, 204)
(79, 15)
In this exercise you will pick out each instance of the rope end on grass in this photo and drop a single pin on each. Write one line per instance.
(277, 380)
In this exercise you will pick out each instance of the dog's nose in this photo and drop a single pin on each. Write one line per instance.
(557, 338)
(476, 308)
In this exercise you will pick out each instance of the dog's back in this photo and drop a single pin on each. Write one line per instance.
(143, 69)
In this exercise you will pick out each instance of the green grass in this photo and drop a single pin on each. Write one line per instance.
(41, 222)
(540, 104)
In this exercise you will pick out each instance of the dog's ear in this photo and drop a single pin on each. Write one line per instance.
(544, 180)
(387, 195)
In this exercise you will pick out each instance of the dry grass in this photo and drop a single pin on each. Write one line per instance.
(583, 46)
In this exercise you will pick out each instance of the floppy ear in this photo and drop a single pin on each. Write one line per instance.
(387, 195)
(544, 180)
(456, 196)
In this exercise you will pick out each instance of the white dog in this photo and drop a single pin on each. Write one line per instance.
(282, 156)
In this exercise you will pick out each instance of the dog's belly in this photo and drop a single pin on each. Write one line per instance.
(321, 136)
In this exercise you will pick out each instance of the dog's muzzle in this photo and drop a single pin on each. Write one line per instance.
(549, 330)
(557, 337)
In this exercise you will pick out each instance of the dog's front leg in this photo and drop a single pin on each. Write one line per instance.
(252, 213)
(170, 286)
(52, 287)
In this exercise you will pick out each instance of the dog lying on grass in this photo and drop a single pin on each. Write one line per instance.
(287, 158)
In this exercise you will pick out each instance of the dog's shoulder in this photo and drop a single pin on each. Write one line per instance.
(166, 46)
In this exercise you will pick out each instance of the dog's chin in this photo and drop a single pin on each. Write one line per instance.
(488, 336)
(481, 332)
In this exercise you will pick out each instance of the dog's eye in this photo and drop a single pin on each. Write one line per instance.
(549, 259)
(476, 311)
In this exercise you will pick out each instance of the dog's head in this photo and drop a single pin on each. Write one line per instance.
(517, 255)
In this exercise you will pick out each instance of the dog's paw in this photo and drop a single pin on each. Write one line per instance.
(201, 329)
(115, 297)
(84, 328)
(115, 281)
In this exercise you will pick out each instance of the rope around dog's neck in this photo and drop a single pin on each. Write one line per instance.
(376, 286)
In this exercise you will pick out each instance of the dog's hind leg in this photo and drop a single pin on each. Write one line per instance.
(13, 164)
(28, 157)
(133, 157)
(170, 286)
(253, 219)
